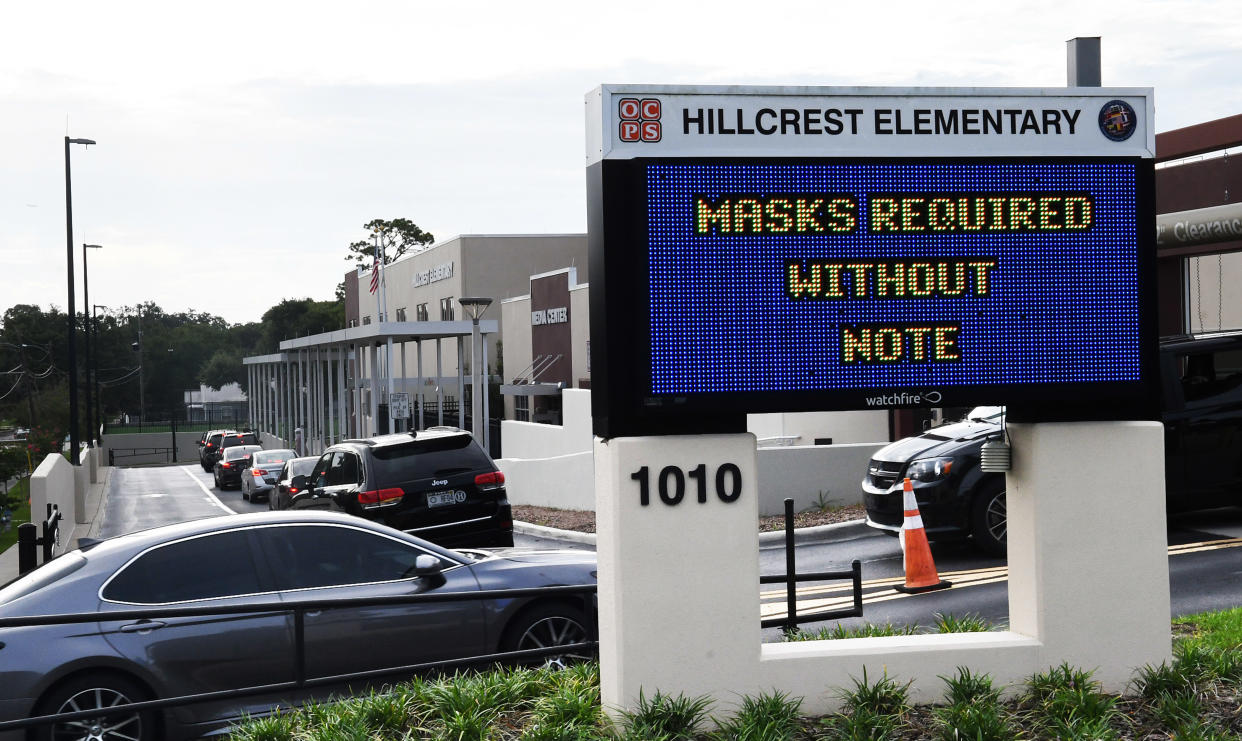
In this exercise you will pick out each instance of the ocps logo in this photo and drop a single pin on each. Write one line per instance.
(640, 119)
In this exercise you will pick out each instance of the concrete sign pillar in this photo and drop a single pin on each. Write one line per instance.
(678, 567)
(1088, 545)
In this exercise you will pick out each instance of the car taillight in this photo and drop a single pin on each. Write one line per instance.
(489, 480)
(226, 465)
(258, 472)
(293, 490)
(211, 445)
(380, 497)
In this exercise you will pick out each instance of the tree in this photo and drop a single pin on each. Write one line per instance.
(225, 367)
(398, 236)
(298, 318)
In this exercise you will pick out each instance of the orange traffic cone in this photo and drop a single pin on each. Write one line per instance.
(916, 554)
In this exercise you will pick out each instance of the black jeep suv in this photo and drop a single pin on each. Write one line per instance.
(436, 483)
(1201, 407)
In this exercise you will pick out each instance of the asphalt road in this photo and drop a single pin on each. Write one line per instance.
(1205, 556)
(141, 498)
(1205, 573)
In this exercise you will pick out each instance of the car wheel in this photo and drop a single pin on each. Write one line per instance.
(108, 693)
(218, 484)
(545, 626)
(990, 520)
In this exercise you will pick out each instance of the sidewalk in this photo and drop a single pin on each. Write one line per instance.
(95, 495)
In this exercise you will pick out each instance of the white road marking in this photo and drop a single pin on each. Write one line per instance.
(210, 497)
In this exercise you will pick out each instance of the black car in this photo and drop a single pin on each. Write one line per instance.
(1201, 403)
(437, 483)
(284, 490)
(209, 447)
(228, 469)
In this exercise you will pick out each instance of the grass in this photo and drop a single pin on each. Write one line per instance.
(1195, 697)
(945, 623)
(20, 492)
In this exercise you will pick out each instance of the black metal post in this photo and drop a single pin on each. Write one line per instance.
(72, 325)
(86, 302)
(73, 354)
(95, 375)
(50, 528)
(299, 646)
(27, 539)
(172, 422)
(791, 587)
(856, 567)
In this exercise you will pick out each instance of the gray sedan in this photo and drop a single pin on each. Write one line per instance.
(258, 480)
(268, 557)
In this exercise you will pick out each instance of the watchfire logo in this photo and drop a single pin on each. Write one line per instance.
(640, 120)
(903, 398)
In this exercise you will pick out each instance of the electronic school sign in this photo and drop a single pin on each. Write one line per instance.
(804, 249)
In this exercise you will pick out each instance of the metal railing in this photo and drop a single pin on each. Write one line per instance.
(121, 455)
(791, 577)
(28, 540)
(299, 609)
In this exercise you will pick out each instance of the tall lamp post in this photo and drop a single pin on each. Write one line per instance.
(95, 368)
(475, 306)
(73, 355)
(86, 301)
(142, 386)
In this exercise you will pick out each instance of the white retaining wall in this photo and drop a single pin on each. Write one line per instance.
(125, 442)
(552, 465)
(55, 482)
(812, 475)
(532, 440)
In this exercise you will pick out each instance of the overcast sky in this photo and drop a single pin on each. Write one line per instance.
(242, 145)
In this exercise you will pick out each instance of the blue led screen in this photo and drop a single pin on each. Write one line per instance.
(834, 275)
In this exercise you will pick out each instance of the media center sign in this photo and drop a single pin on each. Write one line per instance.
(803, 249)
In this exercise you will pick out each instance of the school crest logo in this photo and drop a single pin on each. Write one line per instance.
(1118, 120)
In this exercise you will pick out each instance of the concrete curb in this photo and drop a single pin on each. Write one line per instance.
(540, 531)
(834, 533)
(822, 534)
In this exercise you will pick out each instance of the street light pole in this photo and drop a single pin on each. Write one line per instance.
(142, 386)
(86, 301)
(95, 368)
(475, 307)
(73, 355)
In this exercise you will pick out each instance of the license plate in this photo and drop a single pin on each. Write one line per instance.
(442, 498)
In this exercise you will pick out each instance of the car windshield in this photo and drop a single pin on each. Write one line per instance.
(986, 414)
(433, 457)
(270, 457)
(302, 466)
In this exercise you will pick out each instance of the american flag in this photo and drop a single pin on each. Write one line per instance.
(375, 274)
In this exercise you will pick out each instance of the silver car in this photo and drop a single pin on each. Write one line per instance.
(258, 480)
(248, 559)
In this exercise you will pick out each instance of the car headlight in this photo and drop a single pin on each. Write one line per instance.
(930, 469)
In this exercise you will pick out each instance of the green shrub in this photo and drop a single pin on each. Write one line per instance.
(665, 717)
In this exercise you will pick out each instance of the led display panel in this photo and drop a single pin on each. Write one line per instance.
(737, 285)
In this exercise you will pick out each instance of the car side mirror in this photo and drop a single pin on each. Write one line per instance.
(298, 482)
(425, 565)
